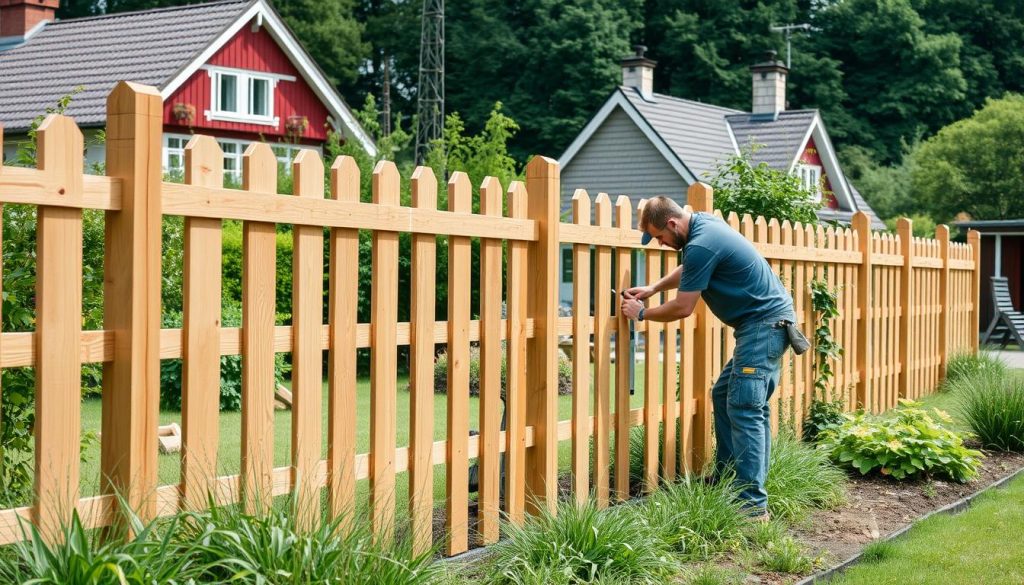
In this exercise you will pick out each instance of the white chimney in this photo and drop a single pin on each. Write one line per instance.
(769, 85)
(638, 72)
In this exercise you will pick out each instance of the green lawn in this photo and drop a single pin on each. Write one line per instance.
(231, 436)
(977, 546)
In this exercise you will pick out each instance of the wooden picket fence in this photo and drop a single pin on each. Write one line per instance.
(906, 305)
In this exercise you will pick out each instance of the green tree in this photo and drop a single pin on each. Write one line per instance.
(330, 33)
(757, 189)
(900, 81)
(976, 165)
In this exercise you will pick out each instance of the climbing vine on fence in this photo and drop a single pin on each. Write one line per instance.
(827, 404)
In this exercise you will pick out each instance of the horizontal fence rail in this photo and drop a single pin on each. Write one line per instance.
(906, 304)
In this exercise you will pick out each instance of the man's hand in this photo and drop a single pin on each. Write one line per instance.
(639, 292)
(630, 307)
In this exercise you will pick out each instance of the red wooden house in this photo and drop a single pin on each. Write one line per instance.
(230, 69)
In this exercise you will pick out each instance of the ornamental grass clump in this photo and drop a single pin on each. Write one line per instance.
(581, 544)
(151, 556)
(911, 445)
(695, 519)
(992, 404)
(801, 478)
(964, 366)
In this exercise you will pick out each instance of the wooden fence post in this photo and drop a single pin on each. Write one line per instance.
(701, 197)
(974, 241)
(942, 235)
(543, 190)
(131, 298)
(904, 228)
(862, 227)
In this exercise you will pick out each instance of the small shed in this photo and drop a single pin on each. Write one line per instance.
(1002, 254)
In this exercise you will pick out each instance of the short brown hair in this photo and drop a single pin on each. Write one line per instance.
(658, 211)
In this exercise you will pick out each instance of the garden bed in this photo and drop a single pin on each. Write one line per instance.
(879, 506)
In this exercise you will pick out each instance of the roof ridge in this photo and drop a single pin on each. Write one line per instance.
(694, 102)
(146, 11)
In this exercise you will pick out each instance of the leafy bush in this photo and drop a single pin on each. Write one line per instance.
(911, 445)
(581, 544)
(992, 403)
(800, 478)
(822, 414)
(965, 365)
(742, 186)
(441, 372)
(230, 367)
(695, 519)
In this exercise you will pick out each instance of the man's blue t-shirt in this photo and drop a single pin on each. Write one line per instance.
(732, 277)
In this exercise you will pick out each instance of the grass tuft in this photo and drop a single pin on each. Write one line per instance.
(878, 551)
(991, 402)
(581, 544)
(695, 519)
(966, 365)
(800, 478)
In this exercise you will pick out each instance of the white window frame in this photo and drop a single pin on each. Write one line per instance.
(167, 151)
(244, 80)
(810, 178)
(285, 158)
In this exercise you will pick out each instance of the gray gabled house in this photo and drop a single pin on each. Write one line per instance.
(644, 144)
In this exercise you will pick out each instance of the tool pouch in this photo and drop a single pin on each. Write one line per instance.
(797, 339)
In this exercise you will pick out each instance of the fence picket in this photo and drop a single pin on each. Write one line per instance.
(421, 368)
(670, 388)
(515, 395)
(490, 368)
(581, 330)
(259, 307)
(341, 366)
(200, 390)
(652, 377)
(59, 329)
(603, 309)
(624, 382)
(307, 328)
(457, 518)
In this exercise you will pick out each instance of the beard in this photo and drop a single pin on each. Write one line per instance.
(676, 241)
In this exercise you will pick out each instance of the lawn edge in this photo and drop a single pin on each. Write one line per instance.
(952, 508)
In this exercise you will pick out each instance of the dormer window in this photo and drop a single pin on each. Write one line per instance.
(810, 179)
(243, 96)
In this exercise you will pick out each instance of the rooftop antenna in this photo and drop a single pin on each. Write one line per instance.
(430, 99)
(787, 29)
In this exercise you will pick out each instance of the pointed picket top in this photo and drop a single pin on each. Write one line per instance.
(460, 196)
(774, 231)
(581, 207)
(60, 146)
(640, 207)
(204, 162)
(386, 183)
(623, 213)
(760, 230)
(798, 235)
(259, 169)
(603, 208)
(345, 179)
(717, 213)
(734, 221)
(747, 227)
(517, 200)
(809, 239)
(308, 174)
(424, 188)
(787, 233)
(819, 236)
(490, 196)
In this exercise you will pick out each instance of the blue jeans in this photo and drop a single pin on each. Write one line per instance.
(742, 418)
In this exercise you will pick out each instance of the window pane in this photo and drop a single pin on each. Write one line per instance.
(228, 147)
(228, 93)
(258, 97)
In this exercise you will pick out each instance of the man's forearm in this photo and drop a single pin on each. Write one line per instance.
(665, 313)
(670, 281)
